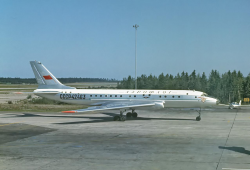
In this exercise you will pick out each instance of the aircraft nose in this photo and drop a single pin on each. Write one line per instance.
(217, 101)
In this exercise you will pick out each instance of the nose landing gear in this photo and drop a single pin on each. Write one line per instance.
(198, 118)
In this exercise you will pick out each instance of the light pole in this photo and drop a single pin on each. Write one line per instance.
(135, 26)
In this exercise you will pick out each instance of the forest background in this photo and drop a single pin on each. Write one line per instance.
(227, 87)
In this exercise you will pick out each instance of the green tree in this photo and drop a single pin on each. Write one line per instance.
(246, 87)
(204, 82)
(214, 84)
(161, 81)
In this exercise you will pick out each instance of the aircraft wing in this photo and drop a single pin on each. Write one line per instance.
(118, 105)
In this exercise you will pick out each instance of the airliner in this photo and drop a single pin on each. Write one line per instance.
(124, 100)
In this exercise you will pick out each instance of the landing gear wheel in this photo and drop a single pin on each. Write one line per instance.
(116, 118)
(129, 114)
(134, 115)
(122, 118)
(198, 118)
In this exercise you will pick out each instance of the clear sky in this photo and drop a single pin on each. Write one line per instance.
(96, 38)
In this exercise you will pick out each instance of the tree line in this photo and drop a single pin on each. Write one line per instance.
(17, 80)
(227, 87)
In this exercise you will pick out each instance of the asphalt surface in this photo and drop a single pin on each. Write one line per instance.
(164, 139)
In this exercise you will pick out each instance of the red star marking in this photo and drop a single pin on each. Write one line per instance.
(48, 77)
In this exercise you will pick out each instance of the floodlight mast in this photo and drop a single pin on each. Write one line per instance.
(135, 26)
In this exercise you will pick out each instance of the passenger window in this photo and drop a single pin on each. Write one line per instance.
(179, 96)
(95, 95)
(115, 95)
(129, 95)
(106, 95)
(100, 95)
(149, 95)
(172, 96)
(120, 95)
(143, 95)
(195, 96)
(160, 96)
(165, 96)
(90, 95)
(84, 95)
(134, 95)
(110, 95)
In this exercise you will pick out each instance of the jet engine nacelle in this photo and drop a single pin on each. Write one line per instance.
(158, 106)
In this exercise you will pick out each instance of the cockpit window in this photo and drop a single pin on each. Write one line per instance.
(204, 94)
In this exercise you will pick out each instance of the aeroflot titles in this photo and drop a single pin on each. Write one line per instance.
(147, 92)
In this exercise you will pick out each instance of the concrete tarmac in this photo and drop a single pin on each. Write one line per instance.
(164, 139)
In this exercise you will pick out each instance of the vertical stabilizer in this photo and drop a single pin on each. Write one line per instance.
(44, 78)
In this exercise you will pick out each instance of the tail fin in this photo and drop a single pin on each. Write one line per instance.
(240, 103)
(44, 78)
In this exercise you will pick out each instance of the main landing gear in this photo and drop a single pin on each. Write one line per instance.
(121, 117)
(133, 114)
(198, 118)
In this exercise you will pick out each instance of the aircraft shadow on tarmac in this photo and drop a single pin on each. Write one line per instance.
(236, 149)
(96, 119)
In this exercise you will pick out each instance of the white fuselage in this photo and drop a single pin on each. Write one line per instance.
(171, 98)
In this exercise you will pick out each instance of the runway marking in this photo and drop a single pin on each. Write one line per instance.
(227, 138)
(9, 124)
(234, 169)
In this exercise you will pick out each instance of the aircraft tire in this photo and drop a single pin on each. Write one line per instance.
(198, 118)
(129, 114)
(116, 118)
(134, 115)
(123, 118)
